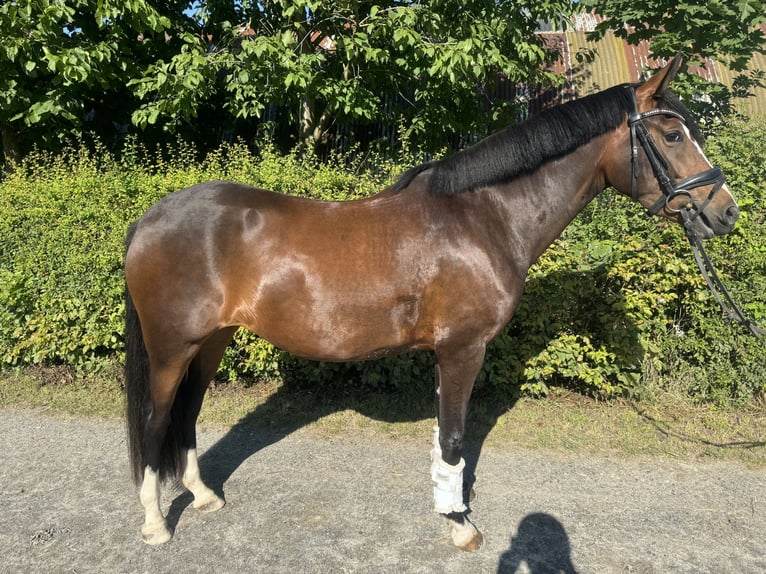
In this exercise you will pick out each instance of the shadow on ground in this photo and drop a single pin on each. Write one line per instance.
(542, 543)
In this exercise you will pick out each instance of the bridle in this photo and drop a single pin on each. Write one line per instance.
(671, 190)
(688, 212)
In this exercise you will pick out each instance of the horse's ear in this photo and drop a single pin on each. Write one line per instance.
(655, 86)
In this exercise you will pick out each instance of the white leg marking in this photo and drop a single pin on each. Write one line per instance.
(154, 530)
(205, 500)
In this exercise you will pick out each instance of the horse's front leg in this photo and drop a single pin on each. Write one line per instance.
(456, 371)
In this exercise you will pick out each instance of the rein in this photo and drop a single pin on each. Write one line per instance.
(721, 294)
(688, 212)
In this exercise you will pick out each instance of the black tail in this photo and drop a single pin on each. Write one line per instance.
(137, 397)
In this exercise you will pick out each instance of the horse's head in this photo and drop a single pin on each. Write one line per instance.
(657, 158)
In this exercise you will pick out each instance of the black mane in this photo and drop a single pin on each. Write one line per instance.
(523, 148)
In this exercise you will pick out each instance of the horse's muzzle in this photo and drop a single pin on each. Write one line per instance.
(712, 216)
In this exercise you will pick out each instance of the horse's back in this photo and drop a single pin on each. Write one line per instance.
(203, 201)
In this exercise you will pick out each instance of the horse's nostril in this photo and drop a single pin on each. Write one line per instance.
(732, 214)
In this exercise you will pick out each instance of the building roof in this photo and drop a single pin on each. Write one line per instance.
(618, 62)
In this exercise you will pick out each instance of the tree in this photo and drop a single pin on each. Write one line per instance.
(722, 29)
(64, 64)
(429, 66)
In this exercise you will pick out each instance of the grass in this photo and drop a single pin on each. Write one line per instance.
(666, 426)
(671, 427)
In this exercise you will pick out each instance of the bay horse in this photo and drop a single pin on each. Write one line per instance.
(436, 261)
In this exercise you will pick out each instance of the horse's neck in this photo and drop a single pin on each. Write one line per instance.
(539, 206)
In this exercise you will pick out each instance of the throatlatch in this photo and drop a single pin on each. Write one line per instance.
(448, 481)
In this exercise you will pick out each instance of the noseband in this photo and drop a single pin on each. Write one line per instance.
(671, 190)
(688, 212)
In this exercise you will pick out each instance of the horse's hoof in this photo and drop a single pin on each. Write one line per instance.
(210, 505)
(466, 536)
(155, 534)
(474, 544)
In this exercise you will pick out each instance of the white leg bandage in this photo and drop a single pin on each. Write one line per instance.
(436, 451)
(448, 481)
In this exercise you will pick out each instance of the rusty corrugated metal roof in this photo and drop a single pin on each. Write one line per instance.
(618, 62)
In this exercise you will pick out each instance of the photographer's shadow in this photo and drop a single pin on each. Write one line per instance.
(541, 542)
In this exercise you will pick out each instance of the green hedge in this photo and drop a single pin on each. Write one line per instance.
(615, 307)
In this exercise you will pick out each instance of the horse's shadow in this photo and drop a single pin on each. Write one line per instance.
(249, 435)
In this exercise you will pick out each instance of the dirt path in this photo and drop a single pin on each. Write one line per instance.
(301, 503)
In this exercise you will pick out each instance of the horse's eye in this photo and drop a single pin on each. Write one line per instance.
(674, 137)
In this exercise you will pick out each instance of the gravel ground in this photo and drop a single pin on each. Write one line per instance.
(303, 503)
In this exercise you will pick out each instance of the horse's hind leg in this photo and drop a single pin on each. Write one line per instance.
(160, 444)
(178, 383)
(456, 372)
(201, 371)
